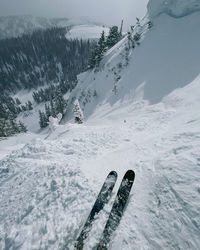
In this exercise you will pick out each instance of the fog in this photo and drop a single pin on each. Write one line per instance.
(105, 11)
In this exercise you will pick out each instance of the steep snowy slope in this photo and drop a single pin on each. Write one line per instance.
(49, 185)
(144, 117)
(167, 58)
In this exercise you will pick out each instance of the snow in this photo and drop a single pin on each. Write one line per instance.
(24, 96)
(86, 32)
(29, 118)
(175, 8)
(56, 179)
(149, 123)
(14, 143)
(167, 58)
(54, 122)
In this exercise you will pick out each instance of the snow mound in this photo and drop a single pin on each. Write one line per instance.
(175, 8)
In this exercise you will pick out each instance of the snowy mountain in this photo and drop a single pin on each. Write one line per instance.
(14, 26)
(141, 109)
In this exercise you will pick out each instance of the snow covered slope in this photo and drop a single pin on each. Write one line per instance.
(144, 117)
(48, 185)
(167, 58)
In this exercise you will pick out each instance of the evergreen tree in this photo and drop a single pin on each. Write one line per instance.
(9, 110)
(98, 52)
(24, 108)
(59, 102)
(52, 108)
(113, 37)
(78, 113)
(36, 97)
(150, 25)
(11, 124)
(101, 48)
(43, 121)
(92, 58)
(17, 101)
(47, 111)
(137, 37)
(95, 93)
(131, 42)
(29, 105)
(22, 127)
(137, 21)
(2, 127)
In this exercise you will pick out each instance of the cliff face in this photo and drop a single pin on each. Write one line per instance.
(175, 8)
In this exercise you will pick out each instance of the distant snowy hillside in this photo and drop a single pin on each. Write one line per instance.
(14, 26)
(86, 32)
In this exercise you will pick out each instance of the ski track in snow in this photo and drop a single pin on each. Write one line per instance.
(49, 186)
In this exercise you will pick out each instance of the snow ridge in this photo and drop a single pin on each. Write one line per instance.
(174, 8)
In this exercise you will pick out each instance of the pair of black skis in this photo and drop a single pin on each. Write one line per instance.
(117, 210)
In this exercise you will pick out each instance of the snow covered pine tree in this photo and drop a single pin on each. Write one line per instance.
(78, 113)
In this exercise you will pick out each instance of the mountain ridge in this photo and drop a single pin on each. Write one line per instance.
(174, 8)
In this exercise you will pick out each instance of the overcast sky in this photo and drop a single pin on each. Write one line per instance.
(106, 11)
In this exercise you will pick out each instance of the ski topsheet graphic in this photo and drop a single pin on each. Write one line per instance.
(102, 199)
(117, 210)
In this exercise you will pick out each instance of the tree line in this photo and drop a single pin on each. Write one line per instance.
(103, 45)
(9, 110)
(41, 58)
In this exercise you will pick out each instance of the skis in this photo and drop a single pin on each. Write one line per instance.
(102, 199)
(117, 210)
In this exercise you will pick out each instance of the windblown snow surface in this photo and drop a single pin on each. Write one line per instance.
(147, 120)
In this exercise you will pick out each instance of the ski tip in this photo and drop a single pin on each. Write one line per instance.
(114, 173)
(130, 175)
